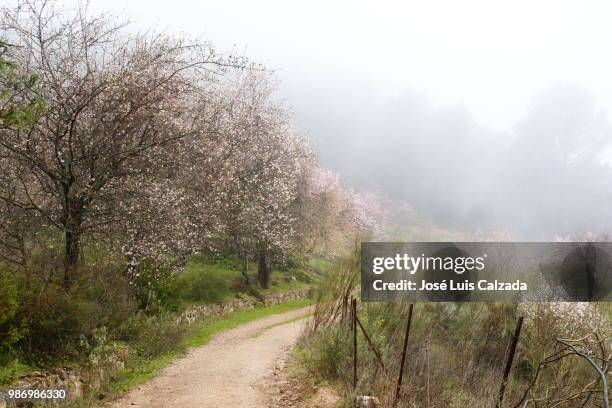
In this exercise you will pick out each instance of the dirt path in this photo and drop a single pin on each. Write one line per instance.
(228, 372)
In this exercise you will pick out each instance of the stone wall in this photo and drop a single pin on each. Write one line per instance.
(243, 302)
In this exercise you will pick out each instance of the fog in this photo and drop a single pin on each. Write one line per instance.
(548, 175)
(477, 114)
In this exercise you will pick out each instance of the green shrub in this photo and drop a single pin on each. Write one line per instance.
(206, 287)
(159, 335)
(11, 330)
(106, 284)
(48, 323)
(209, 281)
(325, 354)
(57, 321)
(153, 283)
(130, 329)
(10, 370)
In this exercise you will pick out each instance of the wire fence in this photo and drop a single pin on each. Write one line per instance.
(350, 313)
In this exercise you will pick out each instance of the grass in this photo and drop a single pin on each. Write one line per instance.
(143, 370)
(208, 328)
(321, 264)
(12, 370)
(210, 280)
(218, 280)
(295, 319)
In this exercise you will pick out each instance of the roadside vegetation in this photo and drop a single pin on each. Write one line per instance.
(102, 320)
(456, 352)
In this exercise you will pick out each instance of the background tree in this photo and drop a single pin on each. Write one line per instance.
(330, 217)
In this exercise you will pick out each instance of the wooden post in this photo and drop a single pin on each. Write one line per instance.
(354, 342)
(401, 373)
(509, 360)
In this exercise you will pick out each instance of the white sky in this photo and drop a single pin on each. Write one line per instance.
(492, 56)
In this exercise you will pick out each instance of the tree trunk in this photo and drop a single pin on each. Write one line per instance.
(264, 269)
(72, 239)
(71, 255)
(245, 270)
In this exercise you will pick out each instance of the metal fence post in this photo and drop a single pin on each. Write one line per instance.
(371, 344)
(509, 360)
(401, 373)
(354, 307)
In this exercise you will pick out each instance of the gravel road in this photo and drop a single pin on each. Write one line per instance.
(228, 372)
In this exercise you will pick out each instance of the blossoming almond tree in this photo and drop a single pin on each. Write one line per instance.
(331, 217)
(115, 106)
(260, 162)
